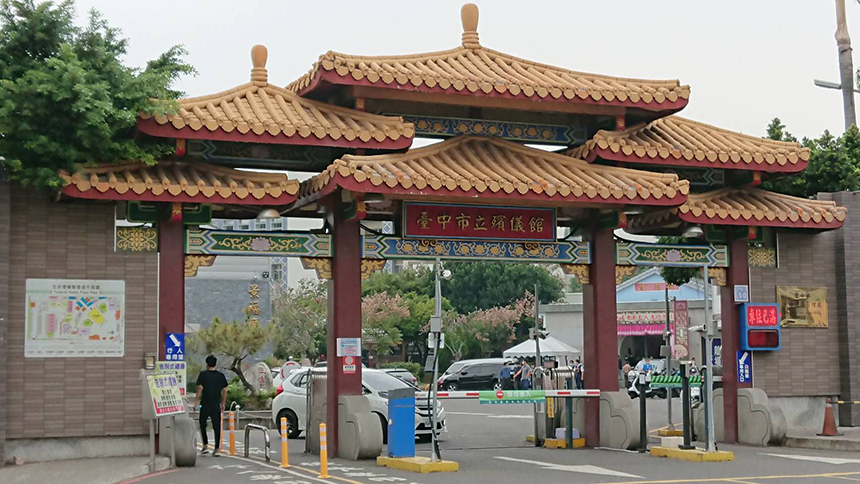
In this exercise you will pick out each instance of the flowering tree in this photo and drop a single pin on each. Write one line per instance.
(482, 332)
(381, 315)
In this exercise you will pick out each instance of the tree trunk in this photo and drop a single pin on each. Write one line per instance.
(236, 368)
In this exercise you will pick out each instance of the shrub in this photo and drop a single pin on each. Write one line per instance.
(236, 392)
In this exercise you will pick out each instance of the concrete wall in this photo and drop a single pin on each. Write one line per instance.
(72, 397)
(808, 363)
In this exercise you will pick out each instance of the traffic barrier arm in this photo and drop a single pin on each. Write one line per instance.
(465, 395)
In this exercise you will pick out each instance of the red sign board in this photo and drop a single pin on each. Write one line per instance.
(455, 221)
(762, 316)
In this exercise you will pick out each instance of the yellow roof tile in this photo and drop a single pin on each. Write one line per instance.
(474, 69)
(678, 141)
(489, 167)
(747, 206)
(179, 181)
(258, 108)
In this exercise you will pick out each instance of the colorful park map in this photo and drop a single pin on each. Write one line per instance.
(75, 318)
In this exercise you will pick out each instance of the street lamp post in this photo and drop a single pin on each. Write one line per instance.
(668, 339)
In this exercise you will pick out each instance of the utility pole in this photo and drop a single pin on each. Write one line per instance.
(538, 371)
(436, 333)
(846, 64)
(710, 332)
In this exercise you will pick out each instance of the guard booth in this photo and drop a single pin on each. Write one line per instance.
(625, 160)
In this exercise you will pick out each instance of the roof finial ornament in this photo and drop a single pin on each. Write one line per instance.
(259, 74)
(469, 17)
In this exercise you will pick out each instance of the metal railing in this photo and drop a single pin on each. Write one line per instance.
(265, 430)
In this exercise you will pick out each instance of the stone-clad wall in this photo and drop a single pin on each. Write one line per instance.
(807, 364)
(72, 397)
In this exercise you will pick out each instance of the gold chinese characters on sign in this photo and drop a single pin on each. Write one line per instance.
(431, 220)
(253, 309)
(803, 307)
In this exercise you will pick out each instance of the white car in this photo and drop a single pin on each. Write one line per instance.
(292, 394)
(285, 370)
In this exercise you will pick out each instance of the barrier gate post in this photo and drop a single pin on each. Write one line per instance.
(685, 403)
(643, 424)
(568, 408)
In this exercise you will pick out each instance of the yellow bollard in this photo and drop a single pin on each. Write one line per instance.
(285, 452)
(232, 433)
(323, 454)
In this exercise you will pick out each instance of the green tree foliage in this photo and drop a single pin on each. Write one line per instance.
(235, 340)
(484, 285)
(485, 332)
(834, 163)
(65, 96)
(299, 320)
(418, 281)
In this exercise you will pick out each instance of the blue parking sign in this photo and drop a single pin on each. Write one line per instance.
(744, 366)
(174, 347)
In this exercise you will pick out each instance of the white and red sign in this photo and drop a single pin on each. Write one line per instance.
(349, 365)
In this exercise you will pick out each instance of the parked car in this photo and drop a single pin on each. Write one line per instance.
(278, 374)
(481, 374)
(402, 374)
(292, 395)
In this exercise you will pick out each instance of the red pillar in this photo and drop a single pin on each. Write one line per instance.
(344, 316)
(171, 278)
(738, 273)
(599, 328)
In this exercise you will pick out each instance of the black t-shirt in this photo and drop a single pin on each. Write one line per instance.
(213, 381)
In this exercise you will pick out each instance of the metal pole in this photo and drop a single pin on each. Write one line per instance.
(437, 312)
(846, 65)
(671, 425)
(643, 418)
(568, 408)
(538, 373)
(709, 375)
(173, 441)
(151, 445)
(685, 402)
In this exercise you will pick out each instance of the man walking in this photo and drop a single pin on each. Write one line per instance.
(212, 387)
(505, 376)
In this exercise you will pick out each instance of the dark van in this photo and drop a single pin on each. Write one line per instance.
(480, 374)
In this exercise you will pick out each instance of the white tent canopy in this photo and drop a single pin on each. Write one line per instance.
(548, 347)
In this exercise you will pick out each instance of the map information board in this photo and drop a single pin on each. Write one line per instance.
(74, 318)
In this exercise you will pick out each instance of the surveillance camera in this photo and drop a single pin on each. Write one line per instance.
(698, 329)
(446, 274)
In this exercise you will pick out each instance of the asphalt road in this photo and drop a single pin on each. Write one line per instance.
(488, 442)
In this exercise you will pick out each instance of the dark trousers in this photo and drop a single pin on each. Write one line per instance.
(213, 413)
(507, 384)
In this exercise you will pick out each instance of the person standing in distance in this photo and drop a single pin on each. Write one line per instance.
(211, 399)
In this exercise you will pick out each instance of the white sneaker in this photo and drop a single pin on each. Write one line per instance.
(216, 453)
(205, 450)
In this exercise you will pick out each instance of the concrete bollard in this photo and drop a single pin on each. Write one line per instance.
(285, 452)
(232, 433)
(323, 454)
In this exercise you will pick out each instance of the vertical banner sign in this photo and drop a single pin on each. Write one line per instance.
(174, 347)
(717, 352)
(682, 323)
(458, 221)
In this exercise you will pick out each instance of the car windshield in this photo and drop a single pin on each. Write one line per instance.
(456, 367)
(382, 382)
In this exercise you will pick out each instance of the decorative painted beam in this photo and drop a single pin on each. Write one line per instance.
(193, 262)
(224, 242)
(644, 254)
(382, 247)
(581, 272)
(137, 239)
(444, 127)
(322, 266)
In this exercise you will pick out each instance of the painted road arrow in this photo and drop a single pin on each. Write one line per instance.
(586, 469)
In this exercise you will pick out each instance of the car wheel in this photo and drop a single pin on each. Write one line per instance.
(497, 386)
(452, 387)
(384, 428)
(292, 423)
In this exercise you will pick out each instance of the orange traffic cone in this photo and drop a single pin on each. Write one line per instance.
(829, 429)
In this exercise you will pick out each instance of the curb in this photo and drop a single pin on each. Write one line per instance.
(417, 464)
(692, 455)
(822, 443)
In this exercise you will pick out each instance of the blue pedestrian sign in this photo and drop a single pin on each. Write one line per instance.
(744, 366)
(174, 347)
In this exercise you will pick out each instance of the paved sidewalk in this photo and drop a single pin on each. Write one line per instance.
(809, 439)
(107, 470)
